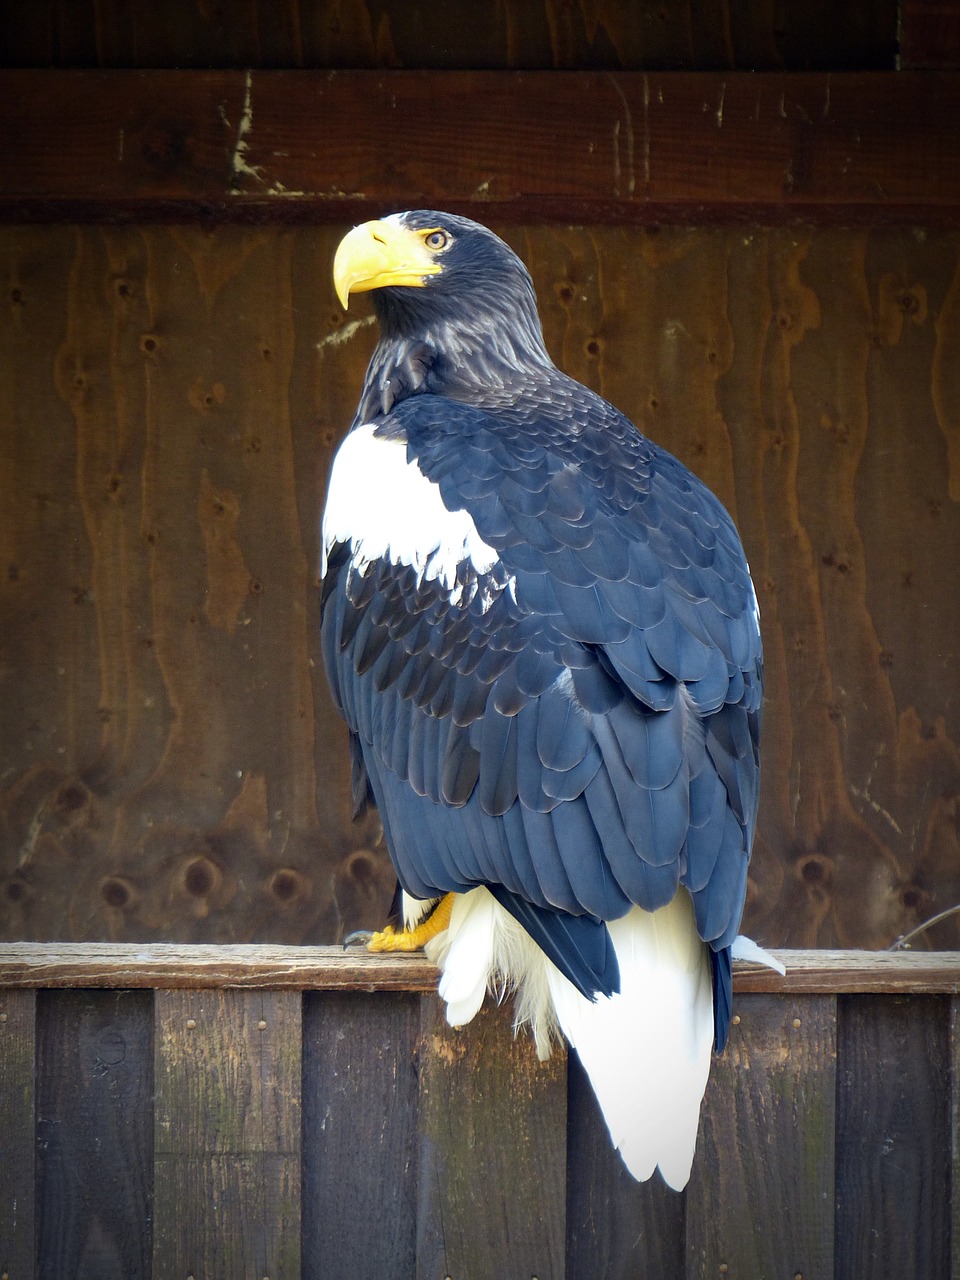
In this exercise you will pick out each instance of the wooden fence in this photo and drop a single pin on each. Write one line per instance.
(226, 1113)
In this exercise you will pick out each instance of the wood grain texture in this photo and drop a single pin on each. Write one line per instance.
(620, 34)
(18, 1143)
(94, 1135)
(760, 1202)
(492, 1162)
(227, 1133)
(893, 1137)
(616, 1227)
(597, 146)
(171, 765)
(360, 1114)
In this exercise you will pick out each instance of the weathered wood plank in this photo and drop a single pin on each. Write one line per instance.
(954, 1060)
(94, 1134)
(211, 967)
(616, 1227)
(688, 146)
(171, 965)
(360, 1109)
(492, 1163)
(17, 1132)
(893, 1137)
(760, 1200)
(227, 1134)
(841, 970)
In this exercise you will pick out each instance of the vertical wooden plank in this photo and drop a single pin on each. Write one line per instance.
(94, 1134)
(17, 1132)
(893, 1136)
(360, 1108)
(760, 1201)
(227, 1136)
(953, 1050)
(492, 1197)
(616, 1227)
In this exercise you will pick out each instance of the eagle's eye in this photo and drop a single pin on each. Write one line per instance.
(436, 240)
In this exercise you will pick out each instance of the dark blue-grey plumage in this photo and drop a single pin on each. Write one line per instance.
(576, 726)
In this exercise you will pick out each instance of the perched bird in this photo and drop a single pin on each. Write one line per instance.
(541, 630)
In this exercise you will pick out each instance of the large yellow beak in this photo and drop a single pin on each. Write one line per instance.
(381, 253)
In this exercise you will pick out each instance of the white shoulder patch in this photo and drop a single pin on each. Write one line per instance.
(386, 508)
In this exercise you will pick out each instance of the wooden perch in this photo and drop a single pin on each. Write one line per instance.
(170, 965)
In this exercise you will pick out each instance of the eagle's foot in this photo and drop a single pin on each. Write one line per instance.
(391, 939)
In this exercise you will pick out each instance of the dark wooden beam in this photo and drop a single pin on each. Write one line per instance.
(533, 146)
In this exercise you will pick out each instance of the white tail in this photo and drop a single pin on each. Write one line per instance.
(646, 1050)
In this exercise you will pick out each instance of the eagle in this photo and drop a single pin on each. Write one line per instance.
(541, 631)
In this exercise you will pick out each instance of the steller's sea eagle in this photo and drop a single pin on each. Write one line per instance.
(541, 630)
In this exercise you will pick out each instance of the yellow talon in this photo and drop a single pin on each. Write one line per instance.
(390, 939)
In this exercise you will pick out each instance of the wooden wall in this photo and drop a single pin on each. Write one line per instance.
(170, 396)
(279, 1112)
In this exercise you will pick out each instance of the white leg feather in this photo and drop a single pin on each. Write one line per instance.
(465, 952)
(414, 910)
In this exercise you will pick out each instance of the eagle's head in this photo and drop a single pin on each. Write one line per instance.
(449, 283)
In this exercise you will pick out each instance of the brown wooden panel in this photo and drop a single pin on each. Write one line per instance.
(360, 1111)
(893, 1137)
(630, 147)
(94, 1135)
(169, 398)
(227, 1134)
(617, 1227)
(492, 1162)
(17, 1132)
(620, 34)
(186, 609)
(760, 1201)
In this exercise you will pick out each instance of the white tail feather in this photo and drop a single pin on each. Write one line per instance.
(646, 1050)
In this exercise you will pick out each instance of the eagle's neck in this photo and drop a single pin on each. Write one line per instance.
(476, 359)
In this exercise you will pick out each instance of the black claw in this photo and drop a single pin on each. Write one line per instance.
(359, 937)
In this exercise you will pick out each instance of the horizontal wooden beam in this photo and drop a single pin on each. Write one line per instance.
(533, 146)
(171, 965)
